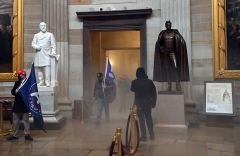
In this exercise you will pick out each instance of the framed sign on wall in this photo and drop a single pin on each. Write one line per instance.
(219, 98)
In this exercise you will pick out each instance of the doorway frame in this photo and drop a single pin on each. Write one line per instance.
(109, 21)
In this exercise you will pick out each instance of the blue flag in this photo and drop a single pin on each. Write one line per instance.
(109, 75)
(30, 96)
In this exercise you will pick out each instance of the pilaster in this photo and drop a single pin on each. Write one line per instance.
(178, 12)
(55, 15)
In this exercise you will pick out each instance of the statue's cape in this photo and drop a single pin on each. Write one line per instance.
(159, 71)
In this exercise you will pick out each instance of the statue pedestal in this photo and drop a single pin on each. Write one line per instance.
(49, 104)
(170, 112)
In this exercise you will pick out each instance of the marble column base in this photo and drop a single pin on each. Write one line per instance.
(65, 108)
(170, 112)
(191, 114)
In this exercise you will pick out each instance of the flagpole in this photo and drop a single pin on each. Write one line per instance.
(106, 66)
(105, 71)
(104, 82)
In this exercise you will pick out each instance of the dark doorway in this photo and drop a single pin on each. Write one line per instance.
(95, 23)
(123, 50)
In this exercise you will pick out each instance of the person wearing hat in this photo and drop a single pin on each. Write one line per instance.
(20, 110)
(101, 94)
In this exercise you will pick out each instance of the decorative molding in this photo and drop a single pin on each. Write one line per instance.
(227, 74)
(17, 56)
(114, 14)
(219, 41)
(8, 76)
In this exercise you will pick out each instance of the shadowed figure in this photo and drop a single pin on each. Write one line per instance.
(123, 92)
(145, 99)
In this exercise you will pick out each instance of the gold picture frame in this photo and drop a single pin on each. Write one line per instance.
(219, 37)
(17, 48)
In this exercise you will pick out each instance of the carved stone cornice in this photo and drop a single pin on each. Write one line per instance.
(114, 14)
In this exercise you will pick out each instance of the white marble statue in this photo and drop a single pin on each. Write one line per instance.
(45, 46)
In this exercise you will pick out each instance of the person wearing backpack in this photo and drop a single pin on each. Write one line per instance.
(102, 93)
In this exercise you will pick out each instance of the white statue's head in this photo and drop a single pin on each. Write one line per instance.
(43, 27)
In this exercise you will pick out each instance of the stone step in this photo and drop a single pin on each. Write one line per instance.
(193, 124)
(65, 107)
(191, 110)
(192, 117)
(189, 104)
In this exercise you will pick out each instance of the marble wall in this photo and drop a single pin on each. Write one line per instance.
(75, 54)
(202, 62)
(32, 18)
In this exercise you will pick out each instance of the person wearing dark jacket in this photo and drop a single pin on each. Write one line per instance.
(20, 110)
(145, 100)
(102, 93)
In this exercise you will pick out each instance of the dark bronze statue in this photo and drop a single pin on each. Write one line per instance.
(170, 59)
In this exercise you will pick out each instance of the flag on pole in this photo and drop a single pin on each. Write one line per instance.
(29, 93)
(109, 75)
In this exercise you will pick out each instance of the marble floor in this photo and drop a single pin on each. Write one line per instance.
(84, 138)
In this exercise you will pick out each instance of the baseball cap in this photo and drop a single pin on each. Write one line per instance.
(21, 72)
(99, 75)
